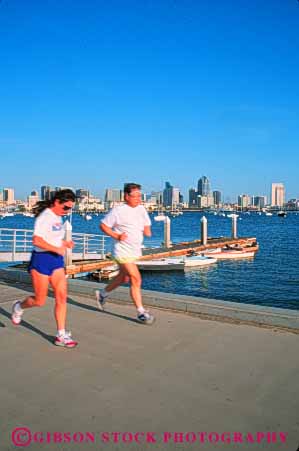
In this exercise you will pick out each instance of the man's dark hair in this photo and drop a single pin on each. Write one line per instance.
(130, 187)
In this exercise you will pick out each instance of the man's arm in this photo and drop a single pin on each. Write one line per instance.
(108, 231)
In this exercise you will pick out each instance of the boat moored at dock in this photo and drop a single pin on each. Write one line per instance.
(176, 263)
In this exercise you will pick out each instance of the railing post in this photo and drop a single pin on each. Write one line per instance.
(103, 256)
(68, 237)
(84, 246)
(234, 226)
(166, 220)
(204, 230)
(167, 242)
(14, 245)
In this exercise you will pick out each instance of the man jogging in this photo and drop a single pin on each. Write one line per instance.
(127, 224)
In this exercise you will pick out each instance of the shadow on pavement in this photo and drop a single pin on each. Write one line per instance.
(105, 312)
(28, 326)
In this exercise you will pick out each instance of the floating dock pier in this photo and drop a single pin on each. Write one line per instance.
(90, 251)
(84, 266)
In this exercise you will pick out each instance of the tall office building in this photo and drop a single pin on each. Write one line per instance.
(277, 195)
(192, 197)
(203, 201)
(243, 201)
(113, 195)
(59, 188)
(45, 192)
(217, 197)
(259, 201)
(9, 195)
(203, 186)
(175, 197)
(156, 197)
(81, 193)
(32, 199)
(171, 195)
(167, 195)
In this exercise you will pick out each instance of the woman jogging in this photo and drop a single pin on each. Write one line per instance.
(47, 263)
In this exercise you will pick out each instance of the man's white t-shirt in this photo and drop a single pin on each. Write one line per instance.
(132, 221)
(50, 227)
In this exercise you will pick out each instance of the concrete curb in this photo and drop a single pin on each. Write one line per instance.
(206, 308)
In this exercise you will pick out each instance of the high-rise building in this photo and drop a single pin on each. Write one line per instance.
(82, 193)
(192, 197)
(113, 195)
(202, 201)
(217, 197)
(205, 201)
(167, 194)
(203, 186)
(171, 195)
(156, 197)
(243, 201)
(277, 195)
(259, 201)
(45, 192)
(32, 200)
(60, 188)
(9, 195)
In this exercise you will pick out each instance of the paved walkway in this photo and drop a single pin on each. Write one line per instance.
(184, 374)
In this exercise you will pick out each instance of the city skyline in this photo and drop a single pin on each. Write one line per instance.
(95, 94)
(44, 192)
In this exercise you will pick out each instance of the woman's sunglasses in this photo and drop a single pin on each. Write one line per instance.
(66, 208)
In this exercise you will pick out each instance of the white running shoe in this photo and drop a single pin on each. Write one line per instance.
(65, 340)
(146, 318)
(17, 313)
(101, 300)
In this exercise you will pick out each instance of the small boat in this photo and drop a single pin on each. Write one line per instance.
(198, 260)
(176, 263)
(88, 217)
(163, 264)
(106, 273)
(228, 252)
(268, 213)
(282, 214)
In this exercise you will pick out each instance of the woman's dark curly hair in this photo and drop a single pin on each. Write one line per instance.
(64, 195)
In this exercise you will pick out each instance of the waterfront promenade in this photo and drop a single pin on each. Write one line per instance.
(183, 374)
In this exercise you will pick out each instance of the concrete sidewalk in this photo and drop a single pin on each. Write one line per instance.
(183, 374)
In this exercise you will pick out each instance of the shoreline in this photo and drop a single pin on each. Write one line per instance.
(205, 308)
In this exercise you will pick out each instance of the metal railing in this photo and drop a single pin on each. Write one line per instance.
(16, 245)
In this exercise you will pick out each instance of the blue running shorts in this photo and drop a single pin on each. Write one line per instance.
(45, 262)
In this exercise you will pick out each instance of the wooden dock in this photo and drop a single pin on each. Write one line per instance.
(85, 266)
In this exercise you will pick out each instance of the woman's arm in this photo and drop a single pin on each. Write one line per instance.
(147, 231)
(40, 242)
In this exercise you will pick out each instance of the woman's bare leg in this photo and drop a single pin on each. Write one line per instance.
(40, 283)
(59, 284)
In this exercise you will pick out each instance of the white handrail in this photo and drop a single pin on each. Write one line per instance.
(16, 245)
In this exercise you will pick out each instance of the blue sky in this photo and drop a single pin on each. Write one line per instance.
(96, 93)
